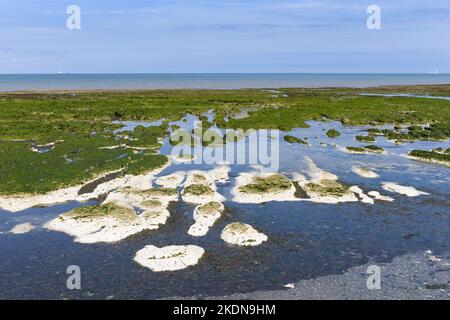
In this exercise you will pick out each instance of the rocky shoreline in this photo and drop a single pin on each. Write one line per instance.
(415, 276)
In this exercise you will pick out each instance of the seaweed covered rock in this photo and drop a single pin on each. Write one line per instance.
(365, 149)
(272, 183)
(107, 222)
(327, 187)
(440, 155)
(333, 133)
(116, 218)
(258, 188)
(439, 131)
(368, 138)
(200, 188)
(143, 199)
(292, 139)
(323, 186)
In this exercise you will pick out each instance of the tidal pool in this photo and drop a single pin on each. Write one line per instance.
(305, 239)
(406, 95)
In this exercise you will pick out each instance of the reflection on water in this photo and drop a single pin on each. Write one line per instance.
(306, 239)
(131, 125)
(405, 95)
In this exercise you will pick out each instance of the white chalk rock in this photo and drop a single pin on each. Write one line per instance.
(107, 223)
(377, 196)
(169, 258)
(22, 228)
(363, 197)
(17, 203)
(320, 187)
(220, 174)
(365, 172)
(315, 172)
(205, 216)
(242, 234)
(243, 194)
(171, 181)
(144, 199)
(404, 190)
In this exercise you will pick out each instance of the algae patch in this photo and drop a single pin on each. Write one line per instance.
(333, 133)
(440, 155)
(292, 139)
(273, 183)
(327, 187)
(365, 149)
(198, 190)
(367, 138)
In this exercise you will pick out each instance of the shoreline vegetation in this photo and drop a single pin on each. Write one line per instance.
(63, 139)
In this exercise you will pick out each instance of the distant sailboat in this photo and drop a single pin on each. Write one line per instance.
(436, 71)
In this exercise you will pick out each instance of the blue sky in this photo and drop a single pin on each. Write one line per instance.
(224, 36)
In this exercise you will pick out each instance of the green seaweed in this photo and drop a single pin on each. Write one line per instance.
(273, 183)
(443, 157)
(333, 133)
(237, 228)
(151, 203)
(364, 149)
(292, 139)
(356, 149)
(160, 192)
(198, 190)
(327, 187)
(365, 138)
(100, 211)
(209, 208)
(83, 122)
(434, 132)
(373, 148)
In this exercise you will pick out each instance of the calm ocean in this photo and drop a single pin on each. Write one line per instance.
(209, 81)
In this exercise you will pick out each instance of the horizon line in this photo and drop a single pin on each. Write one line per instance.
(205, 73)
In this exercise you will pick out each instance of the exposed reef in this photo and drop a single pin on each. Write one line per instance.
(205, 216)
(117, 218)
(200, 188)
(404, 190)
(171, 258)
(242, 234)
(365, 172)
(262, 187)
